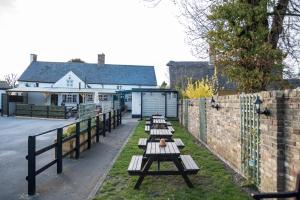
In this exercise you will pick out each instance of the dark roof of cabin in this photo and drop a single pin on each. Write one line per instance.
(153, 90)
(4, 85)
(51, 72)
(294, 82)
(196, 70)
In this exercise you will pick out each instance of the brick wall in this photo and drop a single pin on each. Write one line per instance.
(193, 116)
(279, 135)
(223, 129)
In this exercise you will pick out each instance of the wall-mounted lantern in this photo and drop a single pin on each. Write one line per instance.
(214, 104)
(257, 104)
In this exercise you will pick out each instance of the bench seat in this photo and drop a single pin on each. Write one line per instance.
(179, 143)
(142, 143)
(171, 129)
(189, 164)
(147, 128)
(135, 165)
(169, 124)
(148, 123)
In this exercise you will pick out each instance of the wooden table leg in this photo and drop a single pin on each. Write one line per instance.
(144, 173)
(183, 174)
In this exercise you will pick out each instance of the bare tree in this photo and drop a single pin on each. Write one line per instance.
(283, 22)
(11, 79)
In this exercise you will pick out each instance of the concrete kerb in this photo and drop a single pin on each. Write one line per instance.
(102, 178)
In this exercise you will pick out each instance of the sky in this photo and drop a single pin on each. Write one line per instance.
(127, 32)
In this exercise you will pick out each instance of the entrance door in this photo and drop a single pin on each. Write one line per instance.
(153, 103)
(54, 99)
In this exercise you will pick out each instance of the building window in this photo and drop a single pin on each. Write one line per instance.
(69, 82)
(129, 98)
(70, 98)
(103, 97)
(119, 87)
(90, 98)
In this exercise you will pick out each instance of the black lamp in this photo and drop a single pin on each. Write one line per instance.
(257, 104)
(214, 104)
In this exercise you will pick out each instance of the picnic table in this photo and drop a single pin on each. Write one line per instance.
(140, 165)
(159, 123)
(158, 117)
(160, 133)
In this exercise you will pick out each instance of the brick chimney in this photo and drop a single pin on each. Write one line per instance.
(101, 59)
(33, 58)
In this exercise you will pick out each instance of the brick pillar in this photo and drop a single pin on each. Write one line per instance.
(272, 142)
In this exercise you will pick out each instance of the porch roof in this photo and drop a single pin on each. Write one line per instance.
(62, 90)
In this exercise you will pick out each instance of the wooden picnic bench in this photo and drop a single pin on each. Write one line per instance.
(140, 165)
(160, 133)
(171, 129)
(143, 143)
(147, 128)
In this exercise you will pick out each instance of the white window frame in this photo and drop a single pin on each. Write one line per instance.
(90, 97)
(69, 98)
(103, 97)
(70, 82)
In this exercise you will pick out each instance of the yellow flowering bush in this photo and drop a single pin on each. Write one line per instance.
(201, 88)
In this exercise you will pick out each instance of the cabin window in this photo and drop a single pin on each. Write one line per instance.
(90, 98)
(69, 82)
(70, 98)
(103, 97)
(119, 87)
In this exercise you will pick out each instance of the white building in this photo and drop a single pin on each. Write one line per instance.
(71, 83)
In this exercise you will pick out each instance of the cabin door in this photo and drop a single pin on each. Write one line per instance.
(54, 99)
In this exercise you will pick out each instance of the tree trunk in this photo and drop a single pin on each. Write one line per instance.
(277, 24)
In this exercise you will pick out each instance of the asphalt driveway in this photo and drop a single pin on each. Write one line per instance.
(14, 134)
(80, 178)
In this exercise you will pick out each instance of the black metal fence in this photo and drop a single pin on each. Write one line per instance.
(108, 121)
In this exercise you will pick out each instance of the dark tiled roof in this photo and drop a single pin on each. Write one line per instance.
(4, 85)
(294, 82)
(50, 72)
(152, 90)
(197, 70)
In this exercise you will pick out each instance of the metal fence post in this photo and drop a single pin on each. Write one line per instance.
(77, 153)
(89, 133)
(31, 165)
(114, 122)
(97, 128)
(30, 110)
(120, 117)
(47, 111)
(104, 125)
(59, 150)
(65, 109)
(109, 121)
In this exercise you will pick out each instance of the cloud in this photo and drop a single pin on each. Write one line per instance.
(7, 3)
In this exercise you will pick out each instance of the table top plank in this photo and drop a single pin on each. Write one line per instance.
(153, 148)
(160, 132)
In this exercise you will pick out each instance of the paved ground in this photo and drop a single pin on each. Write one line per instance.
(79, 178)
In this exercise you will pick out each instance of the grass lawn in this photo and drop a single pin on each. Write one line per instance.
(213, 181)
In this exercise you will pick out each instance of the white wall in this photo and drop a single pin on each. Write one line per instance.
(62, 83)
(136, 103)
